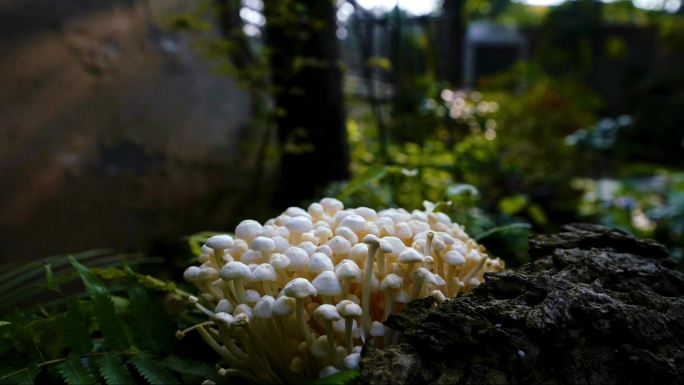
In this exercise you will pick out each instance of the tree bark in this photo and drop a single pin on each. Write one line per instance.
(307, 81)
(595, 306)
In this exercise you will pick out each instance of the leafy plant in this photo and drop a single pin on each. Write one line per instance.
(116, 333)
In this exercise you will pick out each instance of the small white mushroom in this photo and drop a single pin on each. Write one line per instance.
(327, 286)
(373, 243)
(327, 314)
(340, 247)
(331, 205)
(410, 257)
(266, 274)
(298, 226)
(236, 273)
(347, 271)
(454, 259)
(319, 263)
(219, 243)
(299, 289)
(247, 230)
(390, 284)
(323, 234)
(352, 361)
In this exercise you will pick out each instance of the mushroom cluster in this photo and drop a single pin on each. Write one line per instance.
(295, 298)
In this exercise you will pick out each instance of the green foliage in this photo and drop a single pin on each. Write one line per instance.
(341, 378)
(117, 333)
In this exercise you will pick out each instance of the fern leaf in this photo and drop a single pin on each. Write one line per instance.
(152, 325)
(75, 373)
(152, 371)
(76, 327)
(50, 281)
(10, 375)
(90, 280)
(111, 325)
(113, 370)
(191, 367)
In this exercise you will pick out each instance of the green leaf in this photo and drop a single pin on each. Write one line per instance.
(373, 173)
(341, 378)
(50, 282)
(77, 326)
(90, 280)
(191, 367)
(74, 373)
(500, 229)
(25, 342)
(111, 325)
(152, 325)
(152, 371)
(113, 370)
(12, 375)
(459, 190)
(512, 205)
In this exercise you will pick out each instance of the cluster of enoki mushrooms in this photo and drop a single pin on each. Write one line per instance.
(294, 299)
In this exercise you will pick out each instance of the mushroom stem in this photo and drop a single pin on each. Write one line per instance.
(381, 264)
(345, 288)
(416, 288)
(389, 301)
(450, 278)
(218, 256)
(475, 269)
(239, 289)
(299, 314)
(330, 336)
(367, 283)
(348, 323)
(223, 352)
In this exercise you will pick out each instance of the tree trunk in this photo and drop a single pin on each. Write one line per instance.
(307, 81)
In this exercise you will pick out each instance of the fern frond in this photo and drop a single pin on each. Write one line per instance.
(152, 371)
(50, 281)
(11, 375)
(113, 370)
(191, 367)
(75, 373)
(76, 327)
(110, 323)
(90, 280)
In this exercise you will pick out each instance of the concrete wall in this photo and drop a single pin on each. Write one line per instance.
(113, 131)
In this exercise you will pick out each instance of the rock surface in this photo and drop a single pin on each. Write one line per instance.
(595, 306)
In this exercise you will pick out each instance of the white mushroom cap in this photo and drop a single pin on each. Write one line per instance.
(284, 306)
(347, 233)
(439, 281)
(328, 371)
(410, 255)
(319, 348)
(242, 309)
(474, 256)
(316, 210)
(281, 244)
(265, 272)
(459, 246)
(438, 244)
(439, 296)
(352, 361)
(297, 212)
(340, 326)
(279, 261)
(268, 231)
(331, 205)
(474, 281)
(339, 245)
(296, 365)
(320, 262)
(192, 274)
(367, 213)
(348, 269)
(454, 258)
(235, 270)
(325, 249)
(348, 309)
(247, 230)
(326, 312)
(391, 281)
(263, 244)
(308, 246)
(299, 258)
(377, 329)
(222, 241)
(224, 306)
(359, 252)
(264, 308)
(424, 274)
(355, 222)
(224, 318)
(251, 256)
(402, 230)
(299, 288)
(251, 296)
(327, 284)
(299, 224)
(323, 232)
(397, 245)
(401, 297)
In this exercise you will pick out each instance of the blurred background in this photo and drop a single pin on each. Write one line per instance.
(131, 124)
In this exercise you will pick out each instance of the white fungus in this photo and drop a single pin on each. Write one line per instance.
(298, 296)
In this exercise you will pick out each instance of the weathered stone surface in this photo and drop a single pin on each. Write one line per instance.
(595, 306)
